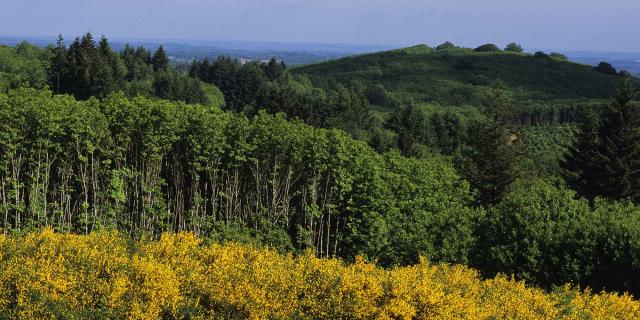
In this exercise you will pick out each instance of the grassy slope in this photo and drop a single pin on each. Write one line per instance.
(459, 76)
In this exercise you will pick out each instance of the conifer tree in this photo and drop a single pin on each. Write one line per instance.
(492, 161)
(204, 70)
(160, 61)
(580, 165)
(411, 125)
(82, 53)
(58, 65)
(194, 69)
(619, 147)
(274, 70)
(103, 64)
(605, 158)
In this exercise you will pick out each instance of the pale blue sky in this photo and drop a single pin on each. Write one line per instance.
(611, 25)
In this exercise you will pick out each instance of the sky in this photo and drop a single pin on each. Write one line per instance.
(569, 25)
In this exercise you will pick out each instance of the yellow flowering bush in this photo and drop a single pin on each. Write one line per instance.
(47, 275)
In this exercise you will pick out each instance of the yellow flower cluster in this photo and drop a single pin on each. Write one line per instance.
(105, 276)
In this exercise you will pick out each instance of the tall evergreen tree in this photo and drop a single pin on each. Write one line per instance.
(116, 67)
(160, 61)
(205, 70)
(274, 70)
(492, 161)
(103, 64)
(619, 148)
(81, 72)
(59, 63)
(135, 61)
(580, 166)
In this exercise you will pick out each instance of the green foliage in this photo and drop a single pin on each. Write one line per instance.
(614, 230)
(411, 125)
(377, 95)
(547, 146)
(546, 235)
(137, 62)
(534, 234)
(540, 55)
(22, 66)
(269, 86)
(419, 129)
(619, 147)
(88, 69)
(559, 56)
(431, 215)
(605, 158)
(606, 68)
(446, 46)
(176, 86)
(580, 167)
(492, 162)
(457, 76)
(149, 166)
(160, 61)
(514, 47)
(490, 47)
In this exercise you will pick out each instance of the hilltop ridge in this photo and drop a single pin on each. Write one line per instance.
(458, 76)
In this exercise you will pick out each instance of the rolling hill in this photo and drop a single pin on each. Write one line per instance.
(459, 76)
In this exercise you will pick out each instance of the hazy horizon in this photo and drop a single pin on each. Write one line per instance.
(609, 27)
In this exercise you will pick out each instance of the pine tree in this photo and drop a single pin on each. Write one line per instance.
(194, 69)
(580, 166)
(411, 125)
(204, 71)
(81, 55)
(103, 64)
(619, 147)
(495, 152)
(275, 70)
(160, 61)
(59, 63)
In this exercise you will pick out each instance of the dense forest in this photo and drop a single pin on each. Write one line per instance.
(87, 68)
(524, 177)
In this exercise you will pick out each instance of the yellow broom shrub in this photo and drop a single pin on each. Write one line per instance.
(47, 275)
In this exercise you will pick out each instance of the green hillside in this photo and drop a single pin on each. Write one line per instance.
(459, 76)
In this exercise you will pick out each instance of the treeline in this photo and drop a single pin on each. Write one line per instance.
(153, 166)
(255, 86)
(568, 113)
(146, 167)
(87, 68)
(604, 160)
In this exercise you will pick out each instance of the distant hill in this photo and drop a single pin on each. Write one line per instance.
(459, 76)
